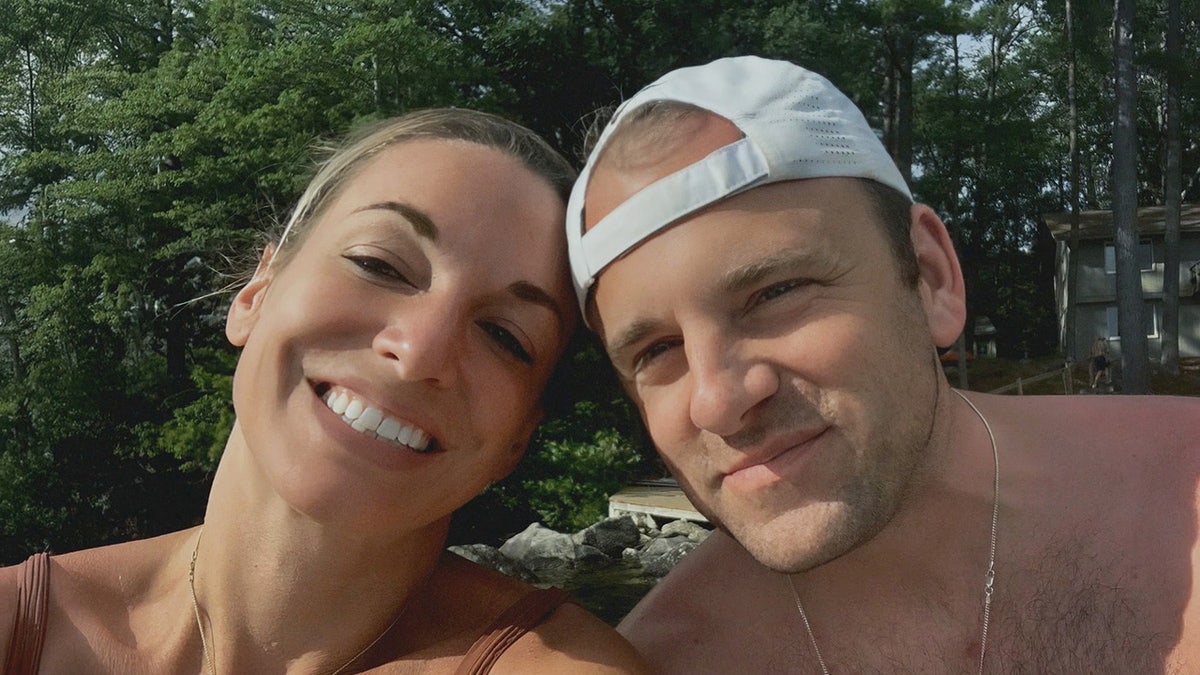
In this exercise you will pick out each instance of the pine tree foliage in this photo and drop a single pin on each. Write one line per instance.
(148, 147)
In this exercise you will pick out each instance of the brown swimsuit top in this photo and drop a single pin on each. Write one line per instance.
(33, 592)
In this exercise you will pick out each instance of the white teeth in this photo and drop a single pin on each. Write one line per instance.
(338, 403)
(405, 436)
(371, 421)
(390, 428)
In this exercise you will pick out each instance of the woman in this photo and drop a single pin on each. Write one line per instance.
(394, 347)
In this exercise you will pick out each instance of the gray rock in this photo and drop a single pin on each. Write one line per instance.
(659, 565)
(489, 557)
(539, 548)
(663, 545)
(590, 555)
(611, 535)
(645, 522)
(686, 528)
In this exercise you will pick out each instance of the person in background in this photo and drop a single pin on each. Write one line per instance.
(395, 343)
(1098, 364)
(772, 299)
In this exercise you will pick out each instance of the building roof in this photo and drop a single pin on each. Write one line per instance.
(1099, 224)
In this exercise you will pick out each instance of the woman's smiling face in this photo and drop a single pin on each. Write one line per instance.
(393, 366)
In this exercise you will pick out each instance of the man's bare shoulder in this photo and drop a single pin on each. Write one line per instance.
(1099, 428)
(673, 604)
(716, 597)
(572, 640)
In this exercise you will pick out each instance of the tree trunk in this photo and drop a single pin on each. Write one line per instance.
(1172, 189)
(1071, 340)
(8, 322)
(890, 87)
(1134, 358)
(904, 103)
(956, 231)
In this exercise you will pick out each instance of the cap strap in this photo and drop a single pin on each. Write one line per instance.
(720, 174)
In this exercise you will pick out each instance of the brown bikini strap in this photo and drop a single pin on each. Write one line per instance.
(515, 622)
(29, 633)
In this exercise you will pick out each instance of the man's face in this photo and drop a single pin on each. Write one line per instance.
(784, 370)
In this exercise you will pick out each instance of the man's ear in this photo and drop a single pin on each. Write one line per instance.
(940, 280)
(243, 312)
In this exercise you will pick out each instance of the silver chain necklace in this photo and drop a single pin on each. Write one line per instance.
(989, 578)
(210, 659)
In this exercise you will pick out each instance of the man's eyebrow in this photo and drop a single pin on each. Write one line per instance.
(751, 274)
(420, 221)
(628, 337)
(529, 292)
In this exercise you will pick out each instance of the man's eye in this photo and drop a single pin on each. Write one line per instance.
(507, 341)
(378, 267)
(648, 355)
(776, 290)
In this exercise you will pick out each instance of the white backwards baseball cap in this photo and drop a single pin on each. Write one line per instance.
(795, 124)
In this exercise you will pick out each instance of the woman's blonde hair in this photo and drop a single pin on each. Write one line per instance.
(347, 158)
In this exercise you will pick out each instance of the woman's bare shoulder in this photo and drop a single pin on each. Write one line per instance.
(125, 570)
(9, 577)
(90, 590)
(571, 640)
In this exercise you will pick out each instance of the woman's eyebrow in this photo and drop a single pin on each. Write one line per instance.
(420, 221)
(529, 292)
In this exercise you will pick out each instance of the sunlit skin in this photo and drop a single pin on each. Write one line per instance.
(788, 378)
(433, 288)
(774, 371)
(395, 296)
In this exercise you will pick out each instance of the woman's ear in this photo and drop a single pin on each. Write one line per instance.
(940, 280)
(243, 312)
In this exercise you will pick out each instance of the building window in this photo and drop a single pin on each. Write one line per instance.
(1145, 256)
(1149, 319)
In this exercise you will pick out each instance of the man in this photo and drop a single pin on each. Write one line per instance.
(772, 299)
(1098, 363)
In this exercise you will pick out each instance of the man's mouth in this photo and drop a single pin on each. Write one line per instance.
(373, 422)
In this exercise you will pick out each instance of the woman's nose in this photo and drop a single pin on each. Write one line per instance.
(422, 344)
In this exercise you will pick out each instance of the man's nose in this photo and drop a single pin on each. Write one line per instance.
(726, 384)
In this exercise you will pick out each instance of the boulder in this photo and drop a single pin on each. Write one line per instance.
(658, 564)
(645, 522)
(611, 535)
(539, 549)
(590, 555)
(661, 545)
(489, 557)
(686, 528)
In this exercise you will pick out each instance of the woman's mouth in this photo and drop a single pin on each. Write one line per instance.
(373, 422)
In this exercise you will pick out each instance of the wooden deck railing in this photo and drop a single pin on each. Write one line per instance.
(1064, 372)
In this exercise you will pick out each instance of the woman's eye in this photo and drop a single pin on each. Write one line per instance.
(507, 341)
(377, 267)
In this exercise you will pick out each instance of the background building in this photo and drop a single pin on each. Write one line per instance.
(1096, 294)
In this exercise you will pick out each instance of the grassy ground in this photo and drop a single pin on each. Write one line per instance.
(990, 374)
